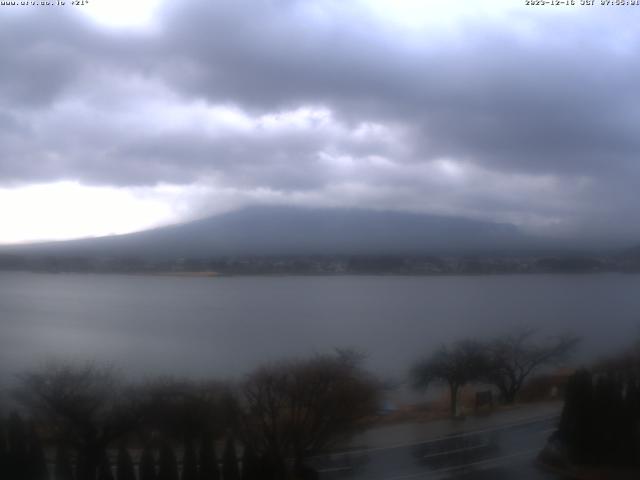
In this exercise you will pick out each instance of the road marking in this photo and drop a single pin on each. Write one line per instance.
(432, 455)
(440, 439)
(457, 450)
(334, 469)
(480, 463)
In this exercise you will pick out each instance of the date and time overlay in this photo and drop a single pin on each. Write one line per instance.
(582, 3)
(531, 3)
(45, 3)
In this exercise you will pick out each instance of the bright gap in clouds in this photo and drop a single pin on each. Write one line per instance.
(449, 20)
(415, 14)
(121, 13)
(66, 210)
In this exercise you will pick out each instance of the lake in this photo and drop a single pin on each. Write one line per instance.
(223, 327)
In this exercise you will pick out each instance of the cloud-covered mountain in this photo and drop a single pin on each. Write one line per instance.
(302, 231)
(451, 109)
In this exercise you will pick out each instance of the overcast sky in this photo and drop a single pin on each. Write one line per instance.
(121, 115)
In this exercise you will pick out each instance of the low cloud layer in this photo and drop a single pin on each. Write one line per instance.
(505, 112)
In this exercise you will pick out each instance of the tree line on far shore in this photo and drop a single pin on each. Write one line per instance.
(94, 426)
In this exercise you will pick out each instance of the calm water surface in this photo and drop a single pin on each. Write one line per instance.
(225, 326)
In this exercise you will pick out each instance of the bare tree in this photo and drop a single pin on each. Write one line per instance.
(456, 365)
(293, 409)
(515, 356)
(84, 405)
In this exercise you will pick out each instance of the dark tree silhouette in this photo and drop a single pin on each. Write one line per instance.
(304, 472)
(62, 469)
(168, 468)
(576, 428)
(85, 406)
(208, 459)
(4, 450)
(272, 468)
(293, 409)
(181, 409)
(250, 464)
(599, 422)
(514, 357)
(230, 469)
(189, 462)
(104, 470)
(147, 466)
(457, 365)
(37, 463)
(124, 466)
(17, 448)
(17, 435)
(631, 413)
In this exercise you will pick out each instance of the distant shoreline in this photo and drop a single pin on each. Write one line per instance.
(329, 265)
(208, 274)
(213, 274)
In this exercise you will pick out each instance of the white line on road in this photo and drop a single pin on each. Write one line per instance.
(432, 455)
(480, 463)
(334, 469)
(440, 439)
(456, 450)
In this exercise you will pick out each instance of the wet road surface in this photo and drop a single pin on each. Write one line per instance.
(500, 453)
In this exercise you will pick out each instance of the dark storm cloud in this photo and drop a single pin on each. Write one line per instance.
(559, 103)
(42, 55)
(533, 119)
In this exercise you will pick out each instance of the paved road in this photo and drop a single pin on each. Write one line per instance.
(500, 453)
